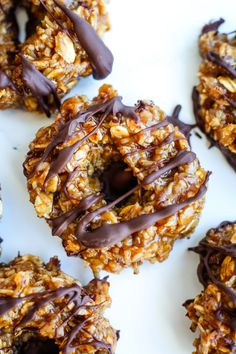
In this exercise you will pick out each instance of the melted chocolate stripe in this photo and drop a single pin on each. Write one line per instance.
(8, 303)
(182, 158)
(112, 106)
(5, 81)
(216, 59)
(39, 85)
(56, 20)
(60, 223)
(169, 139)
(104, 235)
(159, 125)
(100, 56)
(73, 294)
(110, 234)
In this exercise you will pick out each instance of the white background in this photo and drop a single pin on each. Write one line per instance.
(155, 47)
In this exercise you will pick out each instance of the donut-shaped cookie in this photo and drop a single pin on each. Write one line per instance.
(214, 97)
(43, 310)
(64, 46)
(213, 311)
(118, 184)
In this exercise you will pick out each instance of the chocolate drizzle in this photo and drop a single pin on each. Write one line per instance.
(73, 295)
(213, 26)
(69, 129)
(5, 81)
(110, 234)
(39, 85)
(183, 127)
(208, 251)
(230, 156)
(60, 223)
(216, 59)
(99, 55)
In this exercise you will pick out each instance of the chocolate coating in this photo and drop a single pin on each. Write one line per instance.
(39, 85)
(100, 56)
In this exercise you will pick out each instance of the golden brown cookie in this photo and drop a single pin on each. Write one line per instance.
(118, 184)
(43, 310)
(64, 44)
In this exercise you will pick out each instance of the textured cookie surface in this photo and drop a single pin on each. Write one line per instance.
(213, 311)
(215, 96)
(118, 184)
(63, 43)
(43, 310)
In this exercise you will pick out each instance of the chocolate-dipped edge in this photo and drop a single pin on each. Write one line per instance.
(74, 294)
(101, 58)
(230, 157)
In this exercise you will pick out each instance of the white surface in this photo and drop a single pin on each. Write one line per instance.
(156, 57)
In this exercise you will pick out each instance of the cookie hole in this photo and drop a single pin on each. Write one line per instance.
(116, 180)
(37, 346)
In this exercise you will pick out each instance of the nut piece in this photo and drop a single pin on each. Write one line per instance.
(119, 132)
(65, 47)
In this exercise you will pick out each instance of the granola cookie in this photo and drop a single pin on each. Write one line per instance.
(43, 310)
(213, 311)
(214, 98)
(64, 46)
(118, 184)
